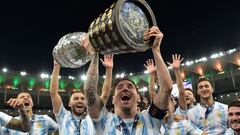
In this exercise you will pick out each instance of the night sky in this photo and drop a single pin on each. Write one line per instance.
(30, 30)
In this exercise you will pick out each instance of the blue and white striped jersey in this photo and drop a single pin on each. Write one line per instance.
(212, 120)
(68, 125)
(41, 125)
(229, 132)
(109, 124)
(178, 125)
(4, 120)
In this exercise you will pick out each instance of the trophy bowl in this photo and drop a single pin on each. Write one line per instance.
(69, 51)
(121, 27)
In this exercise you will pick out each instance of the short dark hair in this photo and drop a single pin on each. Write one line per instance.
(188, 89)
(204, 79)
(234, 103)
(117, 81)
(24, 92)
(80, 91)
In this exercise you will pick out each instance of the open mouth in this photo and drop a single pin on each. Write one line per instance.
(205, 92)
(125, 98)
(187, 98)
(26, 104)
(235, 122)
(79, 106)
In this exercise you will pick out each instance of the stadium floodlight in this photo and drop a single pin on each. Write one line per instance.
(222, 72)
(143, 89)
(122, 75)
(46, 76)
(146, 72)
(71, 77)
(201, 59)
(131, 74)
(23, 73)
(221, 54)
(104, 76)
(83, 77)
(4, 70)
(188, 63)
(117, 76)
(204, 59)
(216, 55)
(213, 56)
(59, 77)
(231, 51)
(236, 94)
(43, 75)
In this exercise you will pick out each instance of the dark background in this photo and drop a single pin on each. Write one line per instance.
(30, 29)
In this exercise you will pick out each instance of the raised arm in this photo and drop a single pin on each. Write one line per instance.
(23, 125)
(161, 100)
(176, 67)
(94, 101)
(55, 97)
(106, 89)
(152, 72)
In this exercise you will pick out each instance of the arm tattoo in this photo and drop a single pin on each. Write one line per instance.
(91, 83)
(23, 125)
(14, 124)
(26, 123)
(91, 98)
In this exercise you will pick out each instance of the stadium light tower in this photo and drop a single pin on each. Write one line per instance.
(43, 75)
(4, 70)
(23, 73)
(83, 77)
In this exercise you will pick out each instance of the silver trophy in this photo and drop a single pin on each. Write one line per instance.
(70, 52)
(118, 30)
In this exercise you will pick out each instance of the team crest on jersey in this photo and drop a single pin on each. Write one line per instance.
(219, 114)
(139, 124)
(178, 118)
(204, 122)
(38, 125)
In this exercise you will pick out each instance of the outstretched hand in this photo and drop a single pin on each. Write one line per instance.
(150, 66)
(176, 61)
(108, 61)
